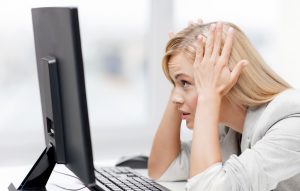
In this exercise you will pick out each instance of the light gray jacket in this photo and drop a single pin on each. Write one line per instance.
(266, 157)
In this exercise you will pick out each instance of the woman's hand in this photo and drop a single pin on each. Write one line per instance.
(211, 72)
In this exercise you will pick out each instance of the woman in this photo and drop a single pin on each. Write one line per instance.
(245, 118)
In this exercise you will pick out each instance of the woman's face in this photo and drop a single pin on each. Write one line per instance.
(184, 94)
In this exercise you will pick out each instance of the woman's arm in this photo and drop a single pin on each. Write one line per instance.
(273, 159)
(166, 143)
(213, 81)
(205, 150)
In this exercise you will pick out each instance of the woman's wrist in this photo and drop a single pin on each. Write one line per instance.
(209, 97)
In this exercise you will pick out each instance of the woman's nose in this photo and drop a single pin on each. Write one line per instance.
(177, 100)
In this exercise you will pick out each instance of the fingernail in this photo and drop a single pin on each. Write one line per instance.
(220, 24)
(231, 30)
(213, 27)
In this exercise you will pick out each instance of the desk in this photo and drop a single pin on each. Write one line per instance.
(17, 174)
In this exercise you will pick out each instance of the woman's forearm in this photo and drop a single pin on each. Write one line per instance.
(166, 144)
(205, 149)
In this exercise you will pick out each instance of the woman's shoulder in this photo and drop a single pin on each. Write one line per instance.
(284, 105)
(289, 96)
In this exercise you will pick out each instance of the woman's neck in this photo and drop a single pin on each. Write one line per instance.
(233, 116)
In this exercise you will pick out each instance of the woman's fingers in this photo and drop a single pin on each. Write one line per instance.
(171, 34)
(210, 42)
(190, 23)
(199, 50)
(227, 45)
(234, 76)
(200, 21)
(217, 42)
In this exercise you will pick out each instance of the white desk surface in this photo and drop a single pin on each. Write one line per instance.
(17, 174)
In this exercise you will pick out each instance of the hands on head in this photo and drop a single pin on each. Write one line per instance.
(211, 70)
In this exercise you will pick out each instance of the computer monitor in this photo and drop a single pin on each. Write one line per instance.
(63, 98)
(64, 108)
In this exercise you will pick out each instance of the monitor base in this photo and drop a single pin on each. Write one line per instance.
(39, 174)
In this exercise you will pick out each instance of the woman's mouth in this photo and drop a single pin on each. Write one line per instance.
(184, 115)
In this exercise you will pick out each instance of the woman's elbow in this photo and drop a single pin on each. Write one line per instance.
(153, 172)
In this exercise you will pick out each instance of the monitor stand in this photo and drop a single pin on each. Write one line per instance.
(54, 153)
(39, 174)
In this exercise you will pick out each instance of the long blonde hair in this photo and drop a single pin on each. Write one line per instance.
(257, 84)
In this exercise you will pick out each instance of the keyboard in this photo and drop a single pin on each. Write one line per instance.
(125, 178)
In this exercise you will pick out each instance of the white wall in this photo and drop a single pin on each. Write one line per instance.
(289, 38)
(272, 25)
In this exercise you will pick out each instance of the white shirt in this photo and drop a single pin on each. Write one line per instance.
(266, 157)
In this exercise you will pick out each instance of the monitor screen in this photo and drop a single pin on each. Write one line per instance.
(62, 88)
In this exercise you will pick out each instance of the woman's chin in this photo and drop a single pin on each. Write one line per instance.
(189, 125)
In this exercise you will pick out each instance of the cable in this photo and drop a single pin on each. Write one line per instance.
(75, 189)
(66, 174)
(64, 188)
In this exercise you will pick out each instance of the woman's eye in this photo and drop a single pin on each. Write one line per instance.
(185, 84)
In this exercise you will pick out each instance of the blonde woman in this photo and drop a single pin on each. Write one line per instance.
(245, 118)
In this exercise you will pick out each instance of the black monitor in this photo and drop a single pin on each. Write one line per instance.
(63, 97)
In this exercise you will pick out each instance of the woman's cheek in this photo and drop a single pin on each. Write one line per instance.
(194, 102)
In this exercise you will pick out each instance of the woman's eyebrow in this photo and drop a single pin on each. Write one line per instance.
(179, 75)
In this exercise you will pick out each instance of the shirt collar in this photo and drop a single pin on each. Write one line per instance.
(252, 116)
